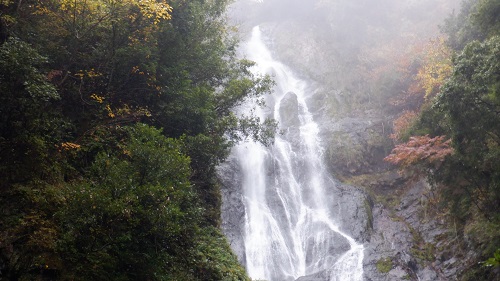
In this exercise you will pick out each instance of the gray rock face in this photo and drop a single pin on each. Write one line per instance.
(349, 202)
(289, 111)
(232, 209)
(355, 142)
(410, 239)
(320, 276)
(289, 118)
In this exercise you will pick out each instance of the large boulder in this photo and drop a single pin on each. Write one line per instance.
(289, 110)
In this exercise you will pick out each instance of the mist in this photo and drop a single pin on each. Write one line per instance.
(329, 40)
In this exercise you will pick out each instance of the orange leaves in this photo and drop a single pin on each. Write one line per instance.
(53, 74)
(402, 124)
(67, 146)
(420, 149)
(433, 69)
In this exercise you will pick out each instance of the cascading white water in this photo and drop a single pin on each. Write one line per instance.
(290, 228)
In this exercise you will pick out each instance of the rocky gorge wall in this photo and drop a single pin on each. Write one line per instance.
(392, 215)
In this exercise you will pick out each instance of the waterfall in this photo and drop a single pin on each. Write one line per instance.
(290, 228)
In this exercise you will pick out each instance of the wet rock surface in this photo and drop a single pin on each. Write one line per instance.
(289, 111)
(400, 227)
(320, 276)
(390, 215)
(232, 209)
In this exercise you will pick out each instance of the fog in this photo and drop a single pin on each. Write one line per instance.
(354, 17)
(338, 42)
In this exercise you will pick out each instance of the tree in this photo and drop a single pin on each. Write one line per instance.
(455, 139)
(90, 195)
(460, 28)
(470, 101)
(29, 130)
(487, 17)
(436, 67)
(134, 217)
(421, 150)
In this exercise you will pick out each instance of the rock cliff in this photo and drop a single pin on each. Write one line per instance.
(392, 215)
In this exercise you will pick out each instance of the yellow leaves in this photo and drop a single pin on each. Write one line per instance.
(95, 9)
(8, 20)
(42, 10)
(92, 73)
(97, 98)
(126, 113)
(133, 112)
(436, 67)
(136, 70)
(88, 73)
(68, 146)
(79, 18)
(110, 112)
(6, 2)
(157, 11)
(67, 5)
(144, 112)
(151, 79)
(151, 9)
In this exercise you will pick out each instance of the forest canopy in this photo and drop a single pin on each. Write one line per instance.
(114, 115)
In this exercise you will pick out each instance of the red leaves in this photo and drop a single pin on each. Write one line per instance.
(420, 149)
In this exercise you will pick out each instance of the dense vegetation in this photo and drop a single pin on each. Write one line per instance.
(114, 115)
(450, 132)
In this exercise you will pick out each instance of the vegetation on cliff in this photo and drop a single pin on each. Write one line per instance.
(452, 135)
(114, 115)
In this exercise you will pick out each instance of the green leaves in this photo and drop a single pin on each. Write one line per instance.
(20, 65)
(27, 122)
(467, 110)
(494, 261)
(136, 210)
(470, 94)
(118, 199)
(487, 17)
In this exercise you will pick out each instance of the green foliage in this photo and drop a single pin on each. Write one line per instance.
(467, 111)
(460, 27)
(91, 190)
(384, 265)
(29, 128)
(471, 94)
(135, 216)
(211, 247)
(369, 212)
(487, 17)
(495, 260)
